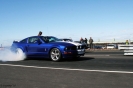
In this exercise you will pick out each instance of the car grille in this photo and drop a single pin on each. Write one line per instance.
(71, 48)
(75, 47)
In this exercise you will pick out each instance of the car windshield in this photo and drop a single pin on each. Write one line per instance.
(50, 39)
(69, 40)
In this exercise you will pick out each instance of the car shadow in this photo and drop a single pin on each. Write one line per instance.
(39, 59)
(78, 59)
(63, 60)
(89, 52)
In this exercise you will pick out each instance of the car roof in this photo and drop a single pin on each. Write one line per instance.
(65, 38)
(40, 36)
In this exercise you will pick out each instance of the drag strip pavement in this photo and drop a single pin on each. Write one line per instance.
(108, 70)
(84, 70)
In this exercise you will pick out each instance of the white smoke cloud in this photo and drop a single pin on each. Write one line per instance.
(8, 55)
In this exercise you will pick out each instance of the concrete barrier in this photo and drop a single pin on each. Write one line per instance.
(123, 47)
(128, 49)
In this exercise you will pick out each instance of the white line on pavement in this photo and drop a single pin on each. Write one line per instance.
(84, 70)
(96, 55)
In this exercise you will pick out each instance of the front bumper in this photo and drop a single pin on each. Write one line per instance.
(68, 54)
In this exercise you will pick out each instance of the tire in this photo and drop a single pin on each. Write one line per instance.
(55, 54)
(20, 54)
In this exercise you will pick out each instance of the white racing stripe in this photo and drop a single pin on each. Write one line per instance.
(83, 70)
(77, 44)
(74, 43)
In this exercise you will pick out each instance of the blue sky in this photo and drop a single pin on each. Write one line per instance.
(100, 19)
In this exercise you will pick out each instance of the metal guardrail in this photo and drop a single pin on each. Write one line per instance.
(128, 49)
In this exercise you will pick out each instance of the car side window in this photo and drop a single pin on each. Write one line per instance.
(51, 39)
(33, 40)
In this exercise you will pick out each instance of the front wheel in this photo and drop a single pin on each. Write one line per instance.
(55, 54)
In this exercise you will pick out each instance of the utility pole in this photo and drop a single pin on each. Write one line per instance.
(98, 40)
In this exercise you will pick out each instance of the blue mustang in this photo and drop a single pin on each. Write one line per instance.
(48, 47)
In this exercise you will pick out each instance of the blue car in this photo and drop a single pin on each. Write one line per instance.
(47, 47)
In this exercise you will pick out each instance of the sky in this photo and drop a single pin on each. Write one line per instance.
(103, 20)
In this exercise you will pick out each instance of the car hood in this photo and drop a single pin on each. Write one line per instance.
(74, 43)
(62, 43)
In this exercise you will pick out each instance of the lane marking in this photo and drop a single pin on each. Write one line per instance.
(69, 69)
(96, 55)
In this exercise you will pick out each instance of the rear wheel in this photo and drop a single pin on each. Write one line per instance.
(20, 53)
(55, 54)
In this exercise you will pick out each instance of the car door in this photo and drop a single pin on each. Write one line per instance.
(34, 47)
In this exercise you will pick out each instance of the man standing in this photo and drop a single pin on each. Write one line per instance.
(86, 43)
(81, 40)
(127, 43)
(86, 40)
(40, 33)
(91, 43)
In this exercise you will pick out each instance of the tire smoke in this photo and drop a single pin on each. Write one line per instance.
(8, 55)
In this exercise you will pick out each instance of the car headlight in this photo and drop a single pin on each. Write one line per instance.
(79, 47)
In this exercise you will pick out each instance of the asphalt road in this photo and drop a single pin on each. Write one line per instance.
(97, 69)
